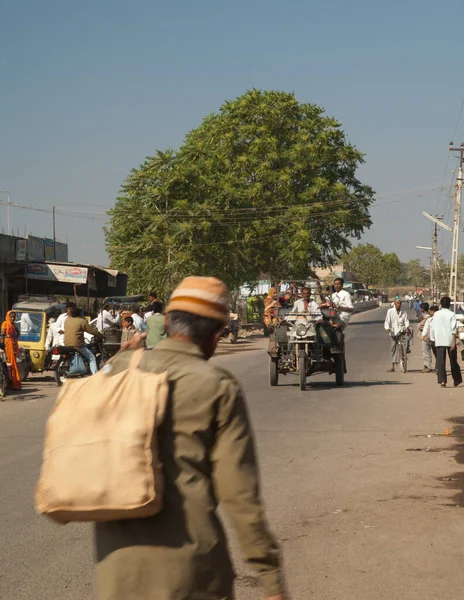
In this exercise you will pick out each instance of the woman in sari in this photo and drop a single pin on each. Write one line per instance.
(11, 332)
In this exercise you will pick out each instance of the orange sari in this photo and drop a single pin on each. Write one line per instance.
(12, 350)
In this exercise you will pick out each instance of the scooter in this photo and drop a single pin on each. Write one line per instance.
(72, 364)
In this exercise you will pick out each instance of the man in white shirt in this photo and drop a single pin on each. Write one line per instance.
(427, 334)
(306, 305)
(444, 331)
(26, 325)
(53, 337)
(105, 319)
(61, 321)
(139, 323)
(425, 345)
(342, 301)
(396, 322)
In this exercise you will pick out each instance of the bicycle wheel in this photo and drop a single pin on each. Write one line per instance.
(404, 357)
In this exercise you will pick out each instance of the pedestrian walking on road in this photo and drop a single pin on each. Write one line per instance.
(11, 333)
(425, 345)
(427, 337)
(444, 332)
(207, 450)
(396, 323)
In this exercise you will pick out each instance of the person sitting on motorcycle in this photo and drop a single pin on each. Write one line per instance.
(306, 305)
(74, 329)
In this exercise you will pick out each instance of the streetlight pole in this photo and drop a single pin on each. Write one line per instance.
(456, 226)
(437, 221)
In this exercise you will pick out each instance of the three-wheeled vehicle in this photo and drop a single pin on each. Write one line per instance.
(306, 344)
(32, 315)
(112, 335)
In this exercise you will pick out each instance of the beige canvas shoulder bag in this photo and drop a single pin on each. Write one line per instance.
(100, 460)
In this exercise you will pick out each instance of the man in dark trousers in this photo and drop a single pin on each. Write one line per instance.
(444, 334)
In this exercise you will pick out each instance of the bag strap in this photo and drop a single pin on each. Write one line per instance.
(136, 358)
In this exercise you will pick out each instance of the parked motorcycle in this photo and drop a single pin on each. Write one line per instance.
(72, 364)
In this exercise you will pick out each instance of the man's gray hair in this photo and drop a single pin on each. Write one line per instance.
(192, 326)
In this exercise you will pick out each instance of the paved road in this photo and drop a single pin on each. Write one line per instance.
(364, 504)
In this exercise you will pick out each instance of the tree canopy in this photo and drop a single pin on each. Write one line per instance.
(370, 266)
(266, 186)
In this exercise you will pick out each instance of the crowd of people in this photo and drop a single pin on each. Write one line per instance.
(437, 332)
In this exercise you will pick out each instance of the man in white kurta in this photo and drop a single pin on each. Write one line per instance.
(444, 331)
(342, 301)
(396, 322)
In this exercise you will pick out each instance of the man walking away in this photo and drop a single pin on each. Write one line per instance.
(396, 322)
(74, 329)
(156, 330)
(444, 332)
(207, 450)
(425, 346)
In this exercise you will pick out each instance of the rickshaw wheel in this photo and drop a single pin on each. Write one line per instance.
(339, 360)
(273, 371)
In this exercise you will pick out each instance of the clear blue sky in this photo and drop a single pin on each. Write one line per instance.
(88, 89)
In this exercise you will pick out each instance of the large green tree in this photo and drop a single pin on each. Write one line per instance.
(265, 186)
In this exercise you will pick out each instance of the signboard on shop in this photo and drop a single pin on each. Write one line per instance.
(63, 273)
(49, 249)
(21, 249)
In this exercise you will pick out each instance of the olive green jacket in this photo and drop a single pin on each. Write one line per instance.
(207, 449)
(155, 330)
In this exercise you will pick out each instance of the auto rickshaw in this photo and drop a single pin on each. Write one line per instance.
(112, 335)
(32, 315)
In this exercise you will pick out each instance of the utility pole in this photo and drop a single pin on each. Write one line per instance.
(433, 266)
(8, 220)
(54, 233)
(438, 221)
(8, 205)
(456, 226)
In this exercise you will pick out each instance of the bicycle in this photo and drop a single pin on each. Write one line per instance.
(403, 350)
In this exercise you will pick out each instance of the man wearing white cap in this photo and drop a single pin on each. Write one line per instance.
(207, 450)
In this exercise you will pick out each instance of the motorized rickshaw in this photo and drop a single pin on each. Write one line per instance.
(32, 315)
(307, 343)
(112, 335)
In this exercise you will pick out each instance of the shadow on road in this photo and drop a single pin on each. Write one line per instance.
(455, 481)
(26, 394)
(321, 385)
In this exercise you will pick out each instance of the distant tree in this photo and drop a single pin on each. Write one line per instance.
(365, 263)
(417, 274)
(443, 277)
(390, 270)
